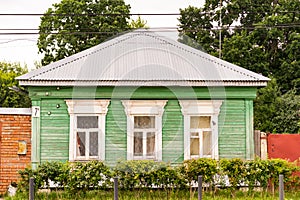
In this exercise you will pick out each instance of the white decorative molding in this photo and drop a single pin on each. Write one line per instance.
(87, 107)
(196, 107)
(201, 108)
(144, 107)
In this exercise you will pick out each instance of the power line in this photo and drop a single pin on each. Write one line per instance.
(158, 29)
(138, 14)
(14, 40)
(87, 14)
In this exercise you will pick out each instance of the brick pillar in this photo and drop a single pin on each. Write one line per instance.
(15, 131)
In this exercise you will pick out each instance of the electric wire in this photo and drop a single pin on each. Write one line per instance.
(137, 14)
(158, 29)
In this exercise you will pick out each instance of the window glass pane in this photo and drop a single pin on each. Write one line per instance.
(144, 122)
(207, 146)
(194, 148)
(138, 144)
(194, 134)
(93, 144)
(87, 122)
(80, 144)
(200, 122)
(150, 143)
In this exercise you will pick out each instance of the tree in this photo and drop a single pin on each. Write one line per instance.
(72, 26)
(276, 112)
(8, 96)
(138, 23)
(260, 35)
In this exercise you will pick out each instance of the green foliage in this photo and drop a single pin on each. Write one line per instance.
(72, 26)
(197, 25)
(257, 171)
(235, 170)
(139, 175)
(279, 166)
(276, 112)
(138, 23)
(8, 97)
(25, 175)
(72, 177)
(264, 39)
(146, 174)
(54, 171)
(88, 175)
(193, 168)
(259, 35)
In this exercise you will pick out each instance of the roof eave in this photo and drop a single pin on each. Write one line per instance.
(165, 83)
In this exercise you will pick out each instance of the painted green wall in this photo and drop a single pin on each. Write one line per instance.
(51, 130)
(232, 129)
(143, 92)
(54, 133)
(172, 133)
(116, 133)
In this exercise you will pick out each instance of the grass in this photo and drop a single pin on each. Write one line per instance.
(155, 195)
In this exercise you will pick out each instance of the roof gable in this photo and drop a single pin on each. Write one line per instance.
(142, 58)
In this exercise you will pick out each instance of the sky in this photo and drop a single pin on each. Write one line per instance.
(23, 48)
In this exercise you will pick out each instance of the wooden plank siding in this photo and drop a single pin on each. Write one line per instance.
(172, 133)
(54, 133)
(232, 130)
(50, 132)
(142, 92)
(116, 133)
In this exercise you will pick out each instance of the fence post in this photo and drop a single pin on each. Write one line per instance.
(200, 187)
(281, 187)
(116, 197)
(31, 188)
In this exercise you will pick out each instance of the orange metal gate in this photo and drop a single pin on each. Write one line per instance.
(285, 146)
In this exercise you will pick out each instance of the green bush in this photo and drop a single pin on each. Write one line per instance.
(55, 171)
(88, 175)
(25, 175)
(257, 173)
(148, 174)
(70, 176)
(235, 170)
(206, 167)
(277, 167)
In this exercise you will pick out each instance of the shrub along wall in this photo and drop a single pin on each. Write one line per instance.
(149, 174)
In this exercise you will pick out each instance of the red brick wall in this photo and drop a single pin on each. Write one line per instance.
(13, 128)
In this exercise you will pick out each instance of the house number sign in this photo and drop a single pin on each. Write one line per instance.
(36, 111)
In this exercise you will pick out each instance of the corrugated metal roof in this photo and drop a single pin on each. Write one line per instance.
(142, 58)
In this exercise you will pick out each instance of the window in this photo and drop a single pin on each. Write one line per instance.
(200, 136)
(144, 128)
(200, 128)
(144, 137)
(87, 129)
(87, 132)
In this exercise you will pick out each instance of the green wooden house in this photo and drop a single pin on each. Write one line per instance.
(141, 96)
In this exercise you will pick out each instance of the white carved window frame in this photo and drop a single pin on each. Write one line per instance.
(87, 108)
(144, 108)
(190, 108)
